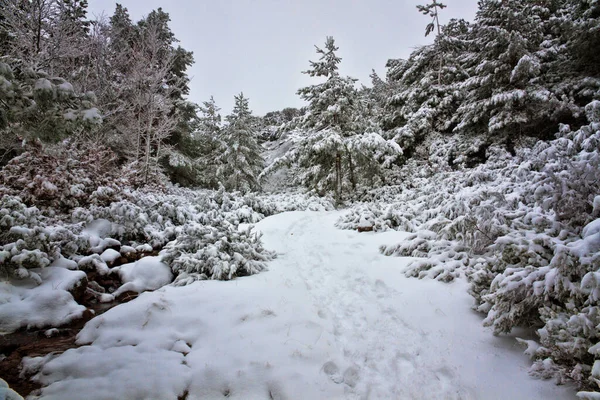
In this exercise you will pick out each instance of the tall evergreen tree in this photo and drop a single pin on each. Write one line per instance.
(209, 146)
(241, 161)
(340, 147)
(503, 92)
(432, 10)
(329, 120)
(414, 106)
(35, 103)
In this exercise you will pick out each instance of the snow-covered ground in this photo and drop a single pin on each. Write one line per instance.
(331, 319)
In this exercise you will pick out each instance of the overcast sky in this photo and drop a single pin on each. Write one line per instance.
(260, 47)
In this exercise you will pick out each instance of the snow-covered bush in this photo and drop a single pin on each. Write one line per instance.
(62, 177)
(198, 229)
(216, 251)
(270, 204)
(29, 243)
(524, 230)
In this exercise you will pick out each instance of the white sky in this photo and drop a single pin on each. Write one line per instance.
(260, 47)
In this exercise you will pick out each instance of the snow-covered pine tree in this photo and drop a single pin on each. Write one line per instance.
(570, 71)
(339, 146)
(207, 140)
(182, 111)
(329, 122)
(68, 47)
(504, 96)
(432, 10)
(415, 107)
(37, 106)
(138, 73)
(151, 119)
(241, 161)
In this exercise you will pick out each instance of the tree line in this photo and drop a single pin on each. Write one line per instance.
(514, 74)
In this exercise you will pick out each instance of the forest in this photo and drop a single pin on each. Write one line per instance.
(483, 147)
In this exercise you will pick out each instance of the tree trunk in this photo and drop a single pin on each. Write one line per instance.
(138, 147)
(157, 152)
(338, 179)
(38, 33)
(439, 31)
(235, 166)
(351, 167)
(148, 136)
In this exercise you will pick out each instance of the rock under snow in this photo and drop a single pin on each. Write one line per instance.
(23, 304)
(149, 273)
(109, 256)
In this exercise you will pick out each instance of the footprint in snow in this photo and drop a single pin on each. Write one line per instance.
(381, 288)
(333, 371)
(351, 376)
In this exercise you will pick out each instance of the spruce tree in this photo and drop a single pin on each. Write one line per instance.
(329, 121)
(414, 107)
(209, 146)
(503, 93)
(340, 145)
(241, 161)
(432, 10)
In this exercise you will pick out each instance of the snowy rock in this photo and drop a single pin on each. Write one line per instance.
(149, 273)
(126, 250)
(64, 263)
(104, 244)
(6, 393)
(74, 282)
(365, 224)
(51, 332)
(49, 304)
(144, 248)
(109, 256)
(94, 263)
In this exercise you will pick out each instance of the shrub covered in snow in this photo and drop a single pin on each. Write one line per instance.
(200, 229)
(29, 243)
(63, 177)
(525, 230)
(216, 251)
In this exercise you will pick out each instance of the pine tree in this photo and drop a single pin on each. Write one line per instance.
(414, 107)
(207, 139)
(241, 161)
(503, 92)
(329, 121)
(68, 50)
(141, 83)
(432, 10)
(340, 145)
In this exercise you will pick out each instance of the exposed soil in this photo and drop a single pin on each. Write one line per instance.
(35, 343)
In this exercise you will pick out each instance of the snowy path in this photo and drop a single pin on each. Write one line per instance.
(331, 319)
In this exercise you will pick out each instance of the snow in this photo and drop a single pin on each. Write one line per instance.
(43, 84)
(66, 87)
(110, 255)
(332, 318)
(149, 273)
(6, 393)
(98, 232)
(92, 114)
(64, 263)
(23, 304)
(93, 262)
